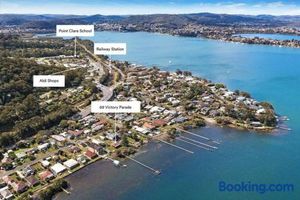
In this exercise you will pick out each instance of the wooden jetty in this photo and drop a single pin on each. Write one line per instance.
(66, 191)
(201, 143)
(202, 147)
(200, 136)
(157, 172)
(284, 128)
(176, 146)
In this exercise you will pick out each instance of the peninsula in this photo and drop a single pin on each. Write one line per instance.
(47, 133)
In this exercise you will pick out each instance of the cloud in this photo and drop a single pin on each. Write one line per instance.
(48, 7)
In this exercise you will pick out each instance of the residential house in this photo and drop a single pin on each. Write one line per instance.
(6, 194)
(43, 147)
(112, 136)
(46, 175)
(90, 154)
(32, 181)
(26, 171)
(159, 122)
(57, 169)
(71, 164)
(20, 155)
(19, 186)
(98, 149)
(179, 119)
(141, 130)
(148, 125)
(45, 163)
(75, 134)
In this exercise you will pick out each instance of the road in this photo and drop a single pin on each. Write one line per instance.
(98, 65)
(107, 95)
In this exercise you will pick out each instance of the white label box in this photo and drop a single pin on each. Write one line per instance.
(48, 80)
(116, 106)
(110, 48)
(74, 30)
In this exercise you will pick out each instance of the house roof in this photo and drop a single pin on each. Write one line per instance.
(58, 138)
(148, 125)
(5, 193)
(45, 163)
(6, 160)
(58, 168)
(70, 163)
(6, 179)
(18, 186)
(90, 154)
(44, 175)
(76, 132)
(32, 180)
(159, 122)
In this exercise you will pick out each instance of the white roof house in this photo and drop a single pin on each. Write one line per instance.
(156, 109)
(71, 163)
(45, 163)
(261, 111)
(43, 146)
(20, 154)
(57, 168)
(5, 193)
(58, 138)
(141, 130)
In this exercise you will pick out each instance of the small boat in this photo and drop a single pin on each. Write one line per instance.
(157, 172)
(116, 163)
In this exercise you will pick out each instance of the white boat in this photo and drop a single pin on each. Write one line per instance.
(116, 162)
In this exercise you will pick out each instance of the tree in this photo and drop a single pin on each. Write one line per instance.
(178, 72)
(125, 141)
(49, 192)
(63, 123)
(187, 73)
(219, 85)
(7, 166)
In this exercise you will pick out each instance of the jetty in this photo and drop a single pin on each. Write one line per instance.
(284, 128)
(66, 191)
(202, 147)
(115, 162)
(157, 172)
(198, 142)
(200, 136)
(176, 146)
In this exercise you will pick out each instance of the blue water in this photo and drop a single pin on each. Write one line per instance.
(272, 36)
(269, 73)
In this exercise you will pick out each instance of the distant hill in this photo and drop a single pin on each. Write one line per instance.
(202, 18)
(49, 21)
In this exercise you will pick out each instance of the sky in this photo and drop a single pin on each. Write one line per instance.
(127, 7)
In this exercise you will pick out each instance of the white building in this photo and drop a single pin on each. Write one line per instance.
(5, 193)
(57, 169)
(71, 164)
(45, 163)
(43, 146)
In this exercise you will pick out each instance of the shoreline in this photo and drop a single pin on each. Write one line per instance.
(231, 39)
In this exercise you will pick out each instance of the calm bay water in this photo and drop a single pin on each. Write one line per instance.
(268, 73)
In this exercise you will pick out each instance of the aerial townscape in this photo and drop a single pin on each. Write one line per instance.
(53, 133)
(49, 133)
